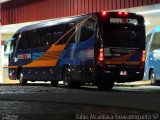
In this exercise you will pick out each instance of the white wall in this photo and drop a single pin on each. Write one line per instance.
(151, 14)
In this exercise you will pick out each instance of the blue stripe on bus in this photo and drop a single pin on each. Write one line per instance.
(36, 55)
(79, 50)
(74, 53)
(135, 57)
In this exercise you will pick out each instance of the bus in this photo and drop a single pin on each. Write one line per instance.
(152, 66)
(99, 48)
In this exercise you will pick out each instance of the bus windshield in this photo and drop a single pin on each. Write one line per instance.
(122, 30)
(124, 37)
(11, 44)
(122, 33)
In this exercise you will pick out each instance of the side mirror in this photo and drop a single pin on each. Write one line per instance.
(6, 44)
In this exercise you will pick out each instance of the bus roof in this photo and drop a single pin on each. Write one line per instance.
(58, 21)
(48, 23)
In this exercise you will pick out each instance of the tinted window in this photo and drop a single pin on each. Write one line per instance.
(124, 36)
(35, 41)
(87, 29)
(58, 31)
(13, 46)
(122, 31)
(24, 41)
(148, 37)
(41, 37)
(13, 42)
(45, 37)
(155, 42)
(71, 35)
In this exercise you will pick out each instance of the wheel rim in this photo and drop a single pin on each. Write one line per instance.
(152, 78)
(21, 77)
(66, 79)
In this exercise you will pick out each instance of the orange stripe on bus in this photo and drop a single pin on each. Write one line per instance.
(42, 63)
(12, 66)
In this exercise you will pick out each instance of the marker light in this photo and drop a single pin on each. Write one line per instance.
(101, 55)
(119, 13)
(143, 56)
(104, 13)
(122, 13)
(126, 13)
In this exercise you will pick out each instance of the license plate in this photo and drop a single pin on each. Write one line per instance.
(123, 73)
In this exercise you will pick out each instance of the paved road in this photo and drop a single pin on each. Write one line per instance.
(37, 101)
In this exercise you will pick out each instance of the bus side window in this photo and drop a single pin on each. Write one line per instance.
(45, 37)
(71, 35)
(23, 41)
(57, 32)
(34, 39)
(155, 42)
(87, 29)
(148, 38)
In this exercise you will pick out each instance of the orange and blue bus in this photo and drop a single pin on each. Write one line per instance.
(100, 48)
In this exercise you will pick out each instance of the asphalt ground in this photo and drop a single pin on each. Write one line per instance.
(39, 101)
(31, 110)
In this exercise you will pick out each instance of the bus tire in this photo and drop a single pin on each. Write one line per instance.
(152, 77)
(67, 81)
(54, 83)
(21, 79)
(103, 85)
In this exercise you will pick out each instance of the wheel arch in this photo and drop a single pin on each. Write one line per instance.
(19, 69)
(63, 68)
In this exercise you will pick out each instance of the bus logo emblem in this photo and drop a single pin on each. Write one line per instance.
(123, 21)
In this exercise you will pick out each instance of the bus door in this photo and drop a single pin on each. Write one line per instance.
(86, 44)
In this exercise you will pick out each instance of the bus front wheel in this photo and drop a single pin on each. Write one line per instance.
(67, 81)
(21, 79)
